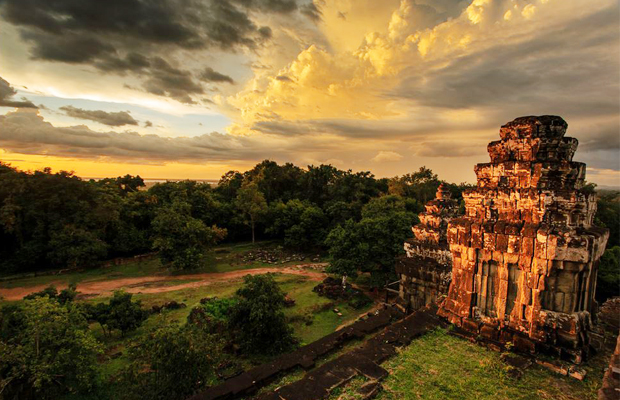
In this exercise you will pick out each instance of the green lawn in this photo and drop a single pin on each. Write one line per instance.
(441, 366)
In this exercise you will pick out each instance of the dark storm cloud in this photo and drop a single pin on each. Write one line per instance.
(166, 80)
(277, 6)
(606, 139)
(107, 118)
(567, 71)
(6, 97)
(312, 11)
(364, 129)
(131, 62)
(107, 34)
(209, 75)
(451, 149)
(68, 49)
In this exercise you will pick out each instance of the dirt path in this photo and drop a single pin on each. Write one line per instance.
(153, 284)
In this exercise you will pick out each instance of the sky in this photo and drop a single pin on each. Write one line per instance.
(190, 89)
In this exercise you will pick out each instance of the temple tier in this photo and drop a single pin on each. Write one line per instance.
(425, 269)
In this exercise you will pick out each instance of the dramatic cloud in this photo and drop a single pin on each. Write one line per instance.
(166, 80)
(29, 133)
(148, 124)
(209, 75)
(7, 93)
(312, 11)
(106, 35)
(26, 132)
(383, 85)
(107, 118)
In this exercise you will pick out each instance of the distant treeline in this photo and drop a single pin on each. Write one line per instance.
(57, 220)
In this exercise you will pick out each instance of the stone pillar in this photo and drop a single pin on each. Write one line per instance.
(525, 253)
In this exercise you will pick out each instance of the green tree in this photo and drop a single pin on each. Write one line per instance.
(608, 216)
(54, 353)
(251, 203)
(120, 313)
(608, 282)
(181, 239)
(372, 244)
(257, 319)
(172, 362)
(76, 247)
(301, 224)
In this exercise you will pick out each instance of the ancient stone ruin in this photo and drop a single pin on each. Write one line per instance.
(426, 267)
(525, 254)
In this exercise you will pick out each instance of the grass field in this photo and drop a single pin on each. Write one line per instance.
(312, 316)
(299, 288)
(439, 366)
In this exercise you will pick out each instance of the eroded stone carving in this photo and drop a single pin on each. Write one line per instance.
(525, 254)
(425, 269)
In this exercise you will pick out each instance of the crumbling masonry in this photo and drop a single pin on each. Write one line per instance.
(426, 267)
(525, 254)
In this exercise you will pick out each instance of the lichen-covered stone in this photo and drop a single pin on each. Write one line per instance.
(425, 269)
(525, 253)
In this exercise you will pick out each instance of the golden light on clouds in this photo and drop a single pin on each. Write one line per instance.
(384, 86)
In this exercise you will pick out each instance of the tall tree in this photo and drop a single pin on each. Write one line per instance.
(371, 244)
(257, 317)
(182, 240)
(252, 204)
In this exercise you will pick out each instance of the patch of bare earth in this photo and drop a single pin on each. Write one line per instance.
(160, 284)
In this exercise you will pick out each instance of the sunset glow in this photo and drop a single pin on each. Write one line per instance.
(381, 86)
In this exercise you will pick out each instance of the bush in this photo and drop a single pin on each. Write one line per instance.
(212, 314)
(172, 362)
(120, 313)
(257, 319)
(359, 300)
(51, 352)
(65, 296)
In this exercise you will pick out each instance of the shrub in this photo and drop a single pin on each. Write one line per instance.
(172, 362)
(51, 352)
(120, 313)
(257, 318)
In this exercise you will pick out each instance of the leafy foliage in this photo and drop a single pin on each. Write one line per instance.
(251, 203)
(608, 282)
(65, 296)
(257, 317)
(172, 362)
(302, 224)
(608, 216)
(181, 239)
(51, 353)
(121, 313)
(57, 220)
(371, 244)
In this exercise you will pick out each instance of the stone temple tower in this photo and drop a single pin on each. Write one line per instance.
(425, 268)
(525, 254)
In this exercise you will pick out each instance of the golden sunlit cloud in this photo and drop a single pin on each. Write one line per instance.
(387, 86)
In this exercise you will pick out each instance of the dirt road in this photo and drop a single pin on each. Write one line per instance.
(159, 284)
